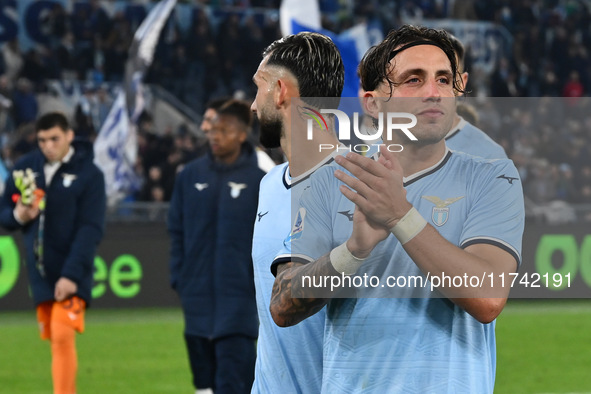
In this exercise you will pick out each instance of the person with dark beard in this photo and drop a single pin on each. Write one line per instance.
(299, 74)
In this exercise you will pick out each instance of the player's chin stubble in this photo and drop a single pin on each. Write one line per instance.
(271, 132)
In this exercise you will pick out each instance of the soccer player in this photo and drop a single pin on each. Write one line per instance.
(424, 213)
(211, 113)
(464, 136)
(210, 220)
(303, 65)
(56, 196)
(209, 118)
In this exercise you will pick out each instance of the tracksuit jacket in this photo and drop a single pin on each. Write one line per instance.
(73, 225)
(211, 220)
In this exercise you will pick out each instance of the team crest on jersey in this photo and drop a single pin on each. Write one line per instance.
(440, 212)
(68, 179)
(236, 188)
(298, 226)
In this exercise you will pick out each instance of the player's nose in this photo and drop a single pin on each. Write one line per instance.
(432, 89)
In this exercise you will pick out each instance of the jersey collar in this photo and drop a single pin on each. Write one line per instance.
(407, 180)
(288, 181)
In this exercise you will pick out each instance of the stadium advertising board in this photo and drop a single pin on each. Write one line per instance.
(131, 268)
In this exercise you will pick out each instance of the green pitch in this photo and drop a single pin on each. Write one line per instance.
(543, 347)
(122, 351)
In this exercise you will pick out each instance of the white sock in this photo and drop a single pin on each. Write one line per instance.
(204, 391)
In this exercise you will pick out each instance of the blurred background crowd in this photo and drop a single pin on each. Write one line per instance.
(218, 51)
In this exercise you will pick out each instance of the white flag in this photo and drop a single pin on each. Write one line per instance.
(115, 151)
(304, 15)
(115, 148)
(141, 54)
(303, 12)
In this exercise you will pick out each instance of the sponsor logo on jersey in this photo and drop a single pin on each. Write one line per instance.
(260, 215)
(508, 178)
(347, 214)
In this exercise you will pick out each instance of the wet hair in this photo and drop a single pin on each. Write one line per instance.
(459, 50)
(375, 65)
(51, 120)
(315, 62)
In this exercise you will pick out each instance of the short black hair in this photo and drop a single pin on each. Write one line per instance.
(51, 120)
(217, 103)
(315, 62)
(239, 110)
(375, 65)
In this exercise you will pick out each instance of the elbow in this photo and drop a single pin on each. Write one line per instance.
(281, 317)
(489, 309)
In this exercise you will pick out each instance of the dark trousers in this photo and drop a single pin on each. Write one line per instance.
(224, 364)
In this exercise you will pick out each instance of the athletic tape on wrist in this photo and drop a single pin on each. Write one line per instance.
(409, 226)
(343, 261)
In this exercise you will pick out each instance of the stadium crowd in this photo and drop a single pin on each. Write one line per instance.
(219, 53)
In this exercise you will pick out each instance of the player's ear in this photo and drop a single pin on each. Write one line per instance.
(281, 93)
(287, 88)
(70, 135)
(370, 104)
(242, 135)
(464, 79)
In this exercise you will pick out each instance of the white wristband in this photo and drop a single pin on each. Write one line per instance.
(343, 261)
(409, 226)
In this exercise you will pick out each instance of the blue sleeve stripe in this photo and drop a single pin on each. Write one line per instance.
(286, 258)
(496, 242)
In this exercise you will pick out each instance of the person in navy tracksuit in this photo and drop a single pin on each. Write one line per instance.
(56, 196)
(212, 211)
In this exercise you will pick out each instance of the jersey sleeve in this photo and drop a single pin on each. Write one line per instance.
(497, 216)
(311, 231)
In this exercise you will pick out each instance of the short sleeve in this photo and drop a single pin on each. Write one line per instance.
(497, 216)
(311, 231)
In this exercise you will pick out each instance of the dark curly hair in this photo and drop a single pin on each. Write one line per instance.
(375, 65)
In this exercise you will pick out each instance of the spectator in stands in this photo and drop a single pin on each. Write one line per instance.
(550, 45)
(116, 47)
(83, 114)
(230, 43)
(152, 189)
(573, 87)
(25, 102)
(101, 107)
(13, 60)
(65, 54)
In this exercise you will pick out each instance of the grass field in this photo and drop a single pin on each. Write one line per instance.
(543, 347)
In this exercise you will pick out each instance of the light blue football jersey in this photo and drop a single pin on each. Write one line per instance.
(466, 137)
(289, 360)
(412, 345)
